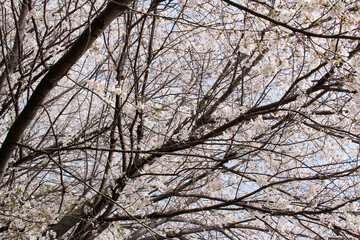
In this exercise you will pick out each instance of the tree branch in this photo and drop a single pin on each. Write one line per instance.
(56, 72)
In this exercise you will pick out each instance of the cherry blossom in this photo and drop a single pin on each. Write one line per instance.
(179, 119)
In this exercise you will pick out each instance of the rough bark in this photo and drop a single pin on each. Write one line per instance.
(68, 221)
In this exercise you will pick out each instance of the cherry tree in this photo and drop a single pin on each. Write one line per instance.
(179, 119)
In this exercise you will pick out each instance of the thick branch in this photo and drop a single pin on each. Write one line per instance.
(57, 71)
(14, 55)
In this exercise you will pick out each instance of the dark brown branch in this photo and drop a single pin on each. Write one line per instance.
(56, 72)
(293, 29)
